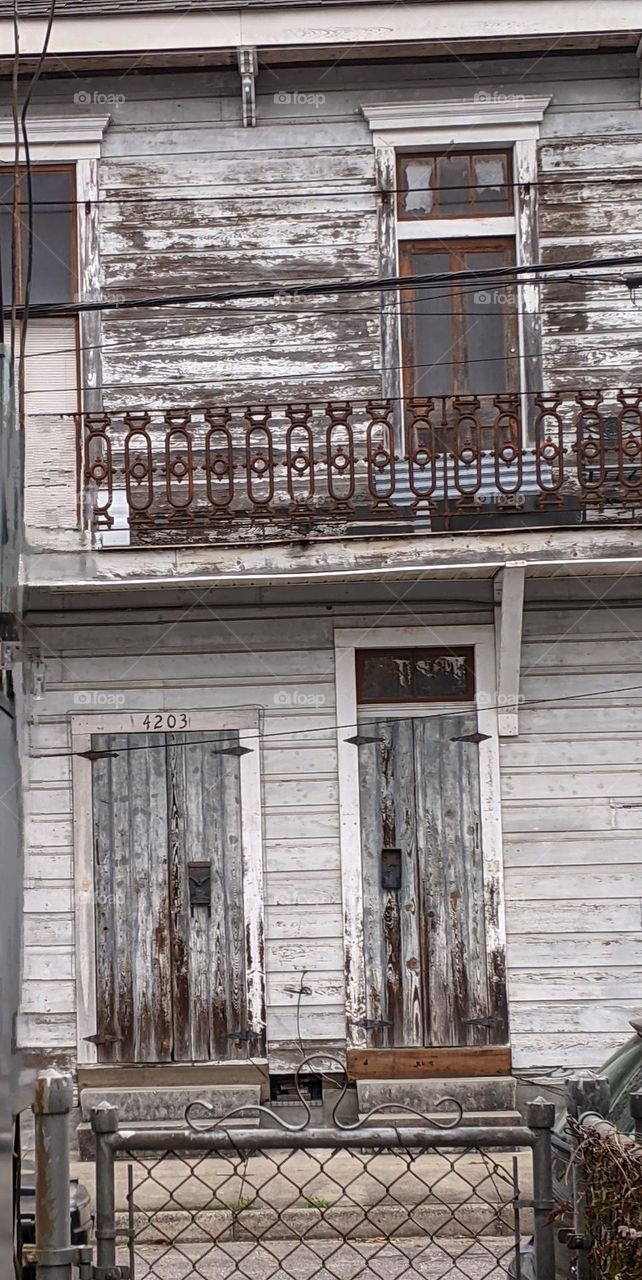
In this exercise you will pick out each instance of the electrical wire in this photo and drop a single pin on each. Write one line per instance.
(298, 193)
(30, 211)
(317, 375)
(451, 712)
(366, 285)
(268, 316)
(13, 311)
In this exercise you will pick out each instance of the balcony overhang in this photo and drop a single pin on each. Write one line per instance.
(154, 35)
(584, 551)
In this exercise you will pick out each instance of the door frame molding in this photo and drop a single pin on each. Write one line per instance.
(346, 641)
(247, 723)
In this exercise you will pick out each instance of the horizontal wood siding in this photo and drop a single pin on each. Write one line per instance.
(571, 809)
(573, 826)
(191, 201)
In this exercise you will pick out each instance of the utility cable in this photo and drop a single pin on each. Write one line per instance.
(312, 289)
(30, 211)
(451, 711)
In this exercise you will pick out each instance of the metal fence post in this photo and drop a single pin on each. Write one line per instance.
(636, 1112)
(584, 1094)
(52, 1105)
(540, 1118)
(104, 1122)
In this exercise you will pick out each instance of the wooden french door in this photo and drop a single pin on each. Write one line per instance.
(170, 929)
(429, 979)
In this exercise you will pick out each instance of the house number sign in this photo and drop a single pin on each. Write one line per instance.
(156, 721)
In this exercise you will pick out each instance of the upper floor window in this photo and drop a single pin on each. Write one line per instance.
(457, 339)
(54, 255)
(454, 184)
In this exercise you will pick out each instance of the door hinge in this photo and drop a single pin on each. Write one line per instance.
(472, 737)
(360, 740)
(100, 1039)
(484, 1022)
(373, 1024)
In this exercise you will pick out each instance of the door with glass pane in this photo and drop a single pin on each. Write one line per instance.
(459, 339)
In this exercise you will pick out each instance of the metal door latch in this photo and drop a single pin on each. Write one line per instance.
(199, 876)
(391, 868)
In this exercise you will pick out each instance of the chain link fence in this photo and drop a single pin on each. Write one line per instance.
(414, 1197)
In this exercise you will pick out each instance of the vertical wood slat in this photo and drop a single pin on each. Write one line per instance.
(450, 853)
(208, 947)
(391, 917)
(130, 847)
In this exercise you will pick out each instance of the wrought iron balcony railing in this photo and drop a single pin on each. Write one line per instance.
(433, 464)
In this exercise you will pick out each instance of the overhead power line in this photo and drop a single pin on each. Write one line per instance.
(322, 191)
(452, 711)
(279, 312)
(314, 374)
(311, 289)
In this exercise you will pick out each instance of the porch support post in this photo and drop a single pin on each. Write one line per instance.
(509, 613)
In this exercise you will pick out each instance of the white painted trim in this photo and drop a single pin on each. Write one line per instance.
(454, 228)
(462, 120)
(316, 25)
(346, 641)
(509, 614)
(56, 138)
(514, 121)
(82, 727)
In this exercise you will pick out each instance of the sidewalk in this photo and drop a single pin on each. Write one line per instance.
(321, 1194)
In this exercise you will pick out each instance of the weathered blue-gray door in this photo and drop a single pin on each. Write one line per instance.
(430, 978)
(170, 933)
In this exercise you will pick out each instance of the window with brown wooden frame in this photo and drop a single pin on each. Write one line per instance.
(53, 276)
(454, 184)
(459, 339)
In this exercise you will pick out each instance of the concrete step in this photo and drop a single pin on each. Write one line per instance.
(167, 1105)
(471, 1119)
(474, 1093)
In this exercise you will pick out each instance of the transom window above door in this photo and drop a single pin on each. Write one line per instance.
(415, 675)
(454, 184)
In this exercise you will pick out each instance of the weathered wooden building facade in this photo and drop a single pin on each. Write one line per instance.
(331, 713)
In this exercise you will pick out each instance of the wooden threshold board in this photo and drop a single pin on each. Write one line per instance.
(426, 1064)
(165, 1075)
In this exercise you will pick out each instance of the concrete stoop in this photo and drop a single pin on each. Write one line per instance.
(486, 1100)
(164, 1108)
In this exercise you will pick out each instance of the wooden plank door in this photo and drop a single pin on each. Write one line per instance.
(170, 963)
(133, 978)
(392, 932)
(427, 969)
(208, 940)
